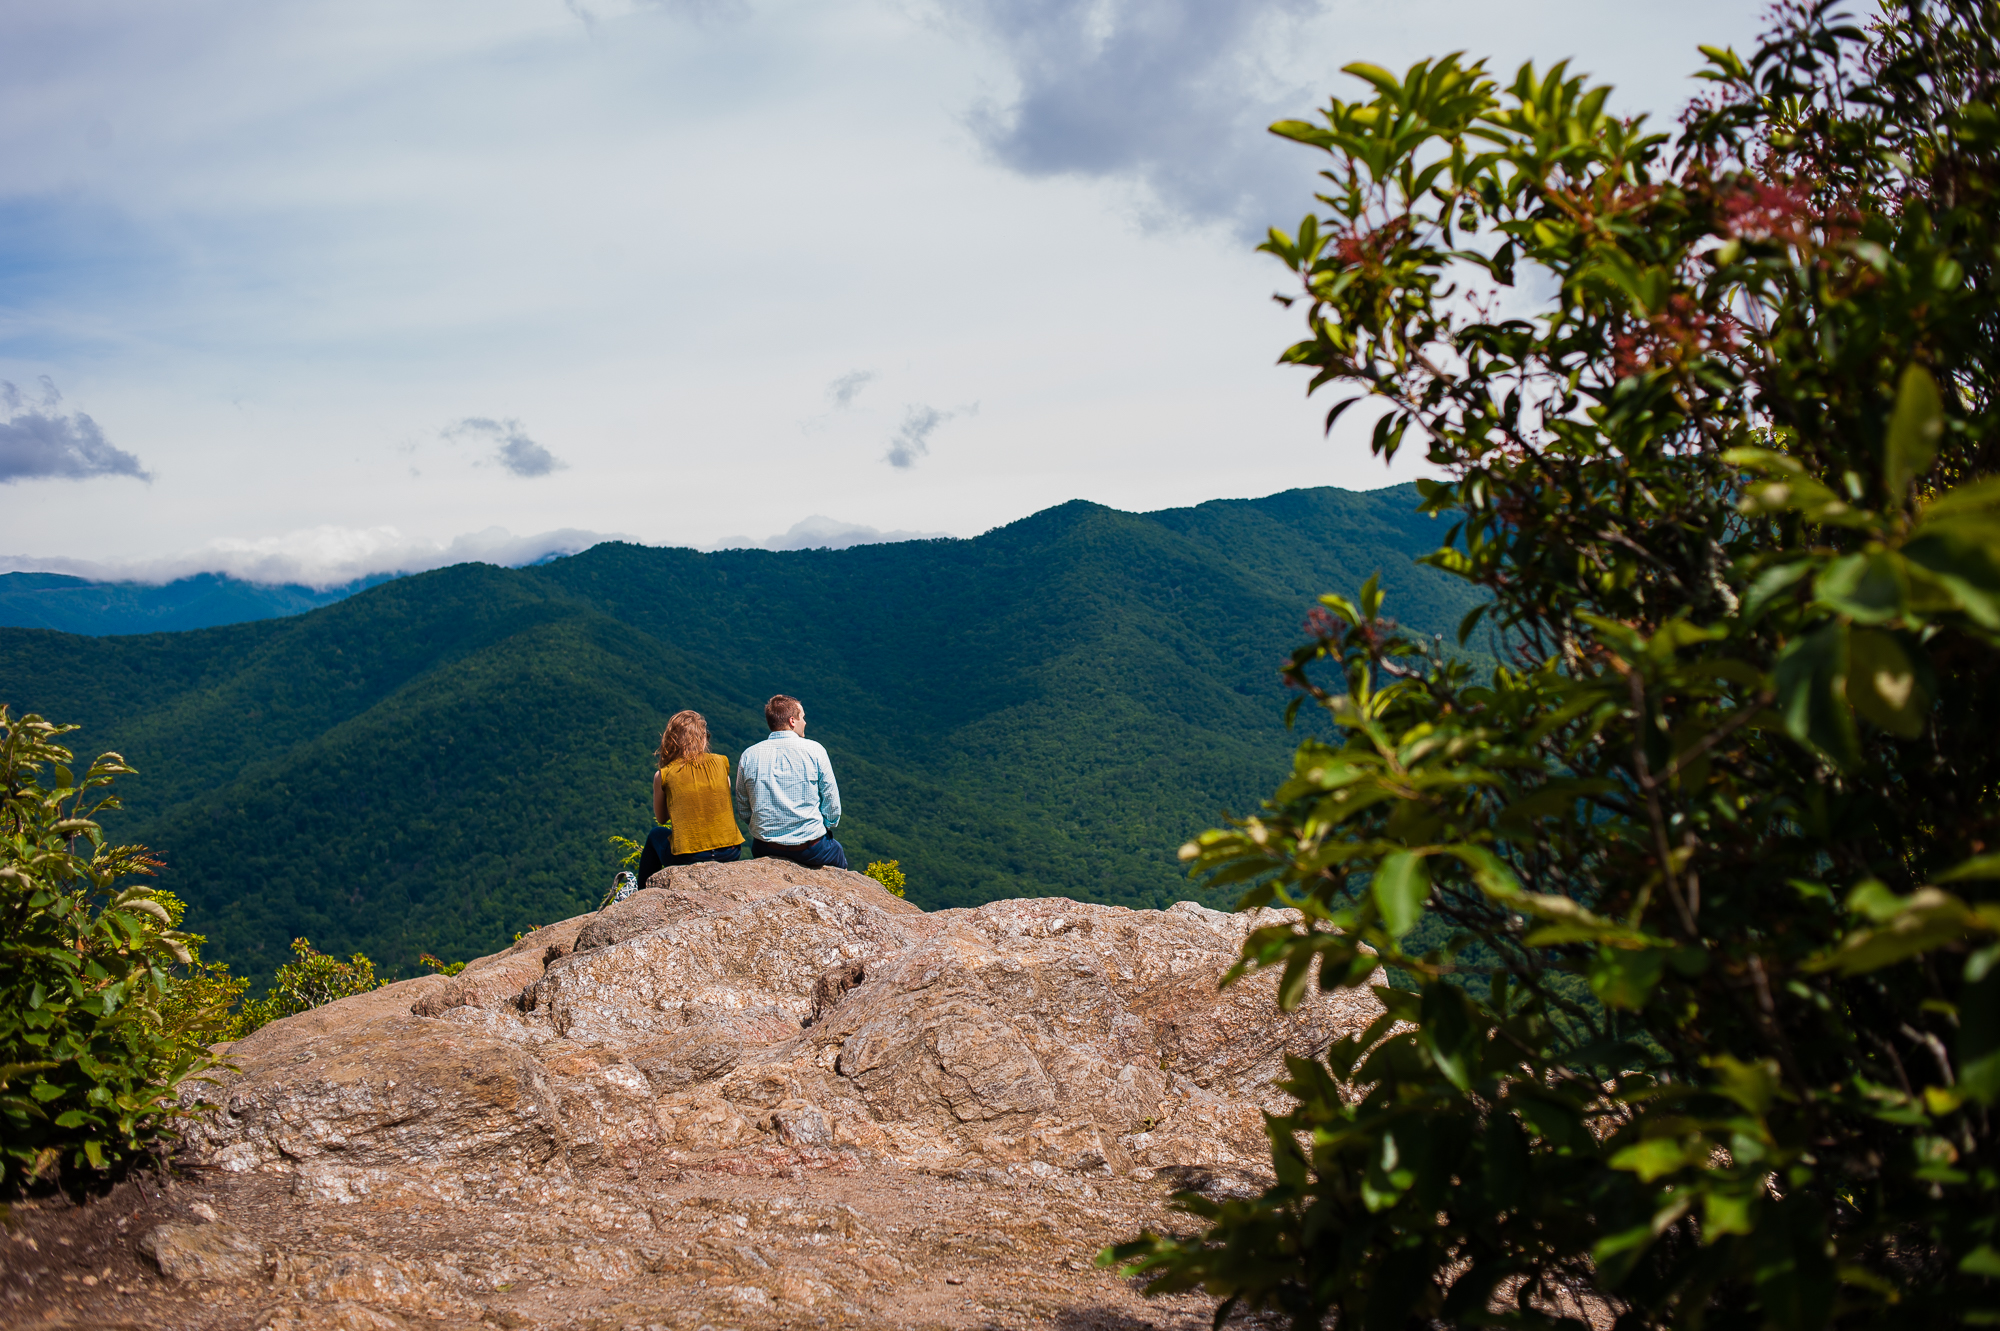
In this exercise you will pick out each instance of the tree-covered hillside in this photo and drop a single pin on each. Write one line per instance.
(436, 763)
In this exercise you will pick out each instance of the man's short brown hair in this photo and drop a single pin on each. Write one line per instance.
(781, 711)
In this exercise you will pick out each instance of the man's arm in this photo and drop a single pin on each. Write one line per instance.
(829, 793)
(741, 793)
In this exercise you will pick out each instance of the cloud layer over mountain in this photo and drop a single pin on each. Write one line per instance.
(820, 532)
(321, 557)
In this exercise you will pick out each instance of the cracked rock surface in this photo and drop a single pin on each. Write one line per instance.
(749, 1095)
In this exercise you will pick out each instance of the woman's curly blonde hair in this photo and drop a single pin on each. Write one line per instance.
(684, 740)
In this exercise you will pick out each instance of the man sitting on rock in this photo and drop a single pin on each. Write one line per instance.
(786, 793)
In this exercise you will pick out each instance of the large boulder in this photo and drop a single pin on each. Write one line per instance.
(361, 1097)
(731, 1005)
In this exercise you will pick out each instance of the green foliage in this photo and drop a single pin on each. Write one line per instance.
(312, 979)
(1042, 709)
(94, 1035)
(1707, 1026)
(889, 873)
(196, 1010)
(437, 966)
(628, 850)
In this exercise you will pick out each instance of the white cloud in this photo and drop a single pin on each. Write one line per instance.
(321, 556)
(820, 532)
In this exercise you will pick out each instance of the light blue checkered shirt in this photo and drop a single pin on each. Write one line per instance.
(785, 790)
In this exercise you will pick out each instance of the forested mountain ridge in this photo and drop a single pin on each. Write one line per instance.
(80, 605)
(1049, 708)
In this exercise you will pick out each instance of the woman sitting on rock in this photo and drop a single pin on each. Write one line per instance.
(690, 791)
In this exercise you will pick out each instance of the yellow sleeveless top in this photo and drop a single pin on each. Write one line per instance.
(698, 805)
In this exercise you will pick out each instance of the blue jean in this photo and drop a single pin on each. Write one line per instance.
(824, 853)
(659, 853)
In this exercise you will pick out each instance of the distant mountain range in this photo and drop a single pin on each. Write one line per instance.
(206, 600)
(104, 607)
(436, 762)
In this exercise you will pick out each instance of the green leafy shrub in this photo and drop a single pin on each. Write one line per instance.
(1708, 1032)
(889, 873)
(629, 850)
(196, 1009)
(437, 966)
(311, 980)
(94, 1032)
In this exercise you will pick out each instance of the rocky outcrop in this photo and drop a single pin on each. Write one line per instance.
(752, 1095)
(728, 1005)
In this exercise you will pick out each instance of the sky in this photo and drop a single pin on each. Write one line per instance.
(302, 292)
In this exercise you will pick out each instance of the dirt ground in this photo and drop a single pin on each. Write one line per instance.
(764, 1237)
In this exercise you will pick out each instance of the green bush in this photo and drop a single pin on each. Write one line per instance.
(889, 873)
(1710, 1035)
(312, 979)
(629, 850)
(95, 1033)
(196, 1009)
